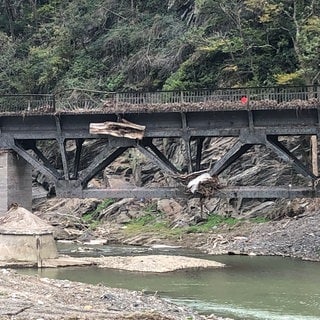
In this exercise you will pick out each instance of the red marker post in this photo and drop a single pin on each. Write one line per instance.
(244, 100)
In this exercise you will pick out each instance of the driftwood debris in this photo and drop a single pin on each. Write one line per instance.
(208, 105)
(123, 129)
(200, 183)
(204, 184)
(194, 184)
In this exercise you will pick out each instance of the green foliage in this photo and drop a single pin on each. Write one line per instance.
(259, 220)
(309, 42)
(92, 218)
(44, 68)
(213, 221)
(119, 44)
(294, 78)
(150, 222)
(89, 220)
(101, 206)
(7, 70)
(155, 223)
(179, 79)
(227, 45)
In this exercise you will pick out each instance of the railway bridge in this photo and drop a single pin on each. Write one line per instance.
(70, 120)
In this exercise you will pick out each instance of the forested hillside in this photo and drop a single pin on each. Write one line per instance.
(49, 45)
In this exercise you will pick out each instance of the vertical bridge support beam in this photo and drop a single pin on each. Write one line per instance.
(314, 155)
(15, 181)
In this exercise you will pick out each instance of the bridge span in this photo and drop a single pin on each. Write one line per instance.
(67, 122)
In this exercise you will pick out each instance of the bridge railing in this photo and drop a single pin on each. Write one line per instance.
(77, 100)
(27, 103)
(276, 94)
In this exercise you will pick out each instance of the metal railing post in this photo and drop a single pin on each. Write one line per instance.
(117, 100)
(54, 103)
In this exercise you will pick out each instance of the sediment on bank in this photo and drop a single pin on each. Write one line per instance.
(28, 297)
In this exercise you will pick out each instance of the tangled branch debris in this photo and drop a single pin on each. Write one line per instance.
(209, 187)
(200, 183)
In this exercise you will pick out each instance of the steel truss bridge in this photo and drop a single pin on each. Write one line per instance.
(253, 116)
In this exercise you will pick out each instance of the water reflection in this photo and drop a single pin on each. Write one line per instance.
(248, 288)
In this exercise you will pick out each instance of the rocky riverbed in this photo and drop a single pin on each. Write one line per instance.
(293, 236)
(297, 237)
(25, 297)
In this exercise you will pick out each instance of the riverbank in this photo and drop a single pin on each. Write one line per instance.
(141, 263)
(296, 237)
(28, 297)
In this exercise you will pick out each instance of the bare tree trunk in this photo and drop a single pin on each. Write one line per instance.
(34, 12)
(10, 16)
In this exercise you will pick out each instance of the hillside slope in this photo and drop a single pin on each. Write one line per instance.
(113, 45)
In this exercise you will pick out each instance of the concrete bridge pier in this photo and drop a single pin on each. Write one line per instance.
(15, 181)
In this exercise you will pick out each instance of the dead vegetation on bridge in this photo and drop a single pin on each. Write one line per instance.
(112, 107)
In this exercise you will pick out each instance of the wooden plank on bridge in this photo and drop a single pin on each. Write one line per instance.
(123, 129)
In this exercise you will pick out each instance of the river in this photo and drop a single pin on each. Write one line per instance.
(264, 288)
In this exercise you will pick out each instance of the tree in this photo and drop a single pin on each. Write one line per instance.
(7, 63)
(298, 20)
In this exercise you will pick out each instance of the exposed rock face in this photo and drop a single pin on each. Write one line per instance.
(172, 209)
(257, 167)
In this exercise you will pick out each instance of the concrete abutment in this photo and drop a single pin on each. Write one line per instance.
(15, 181)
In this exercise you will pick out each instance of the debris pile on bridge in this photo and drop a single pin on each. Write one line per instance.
(208, 188)
(111, 106)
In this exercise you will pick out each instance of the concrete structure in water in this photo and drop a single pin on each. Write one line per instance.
(25, 238)
(15, 181)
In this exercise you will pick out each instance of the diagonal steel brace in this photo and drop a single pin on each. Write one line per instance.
(274, 144)
(49, 172)
(102, 160)
(237, 150)
(157, 158)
